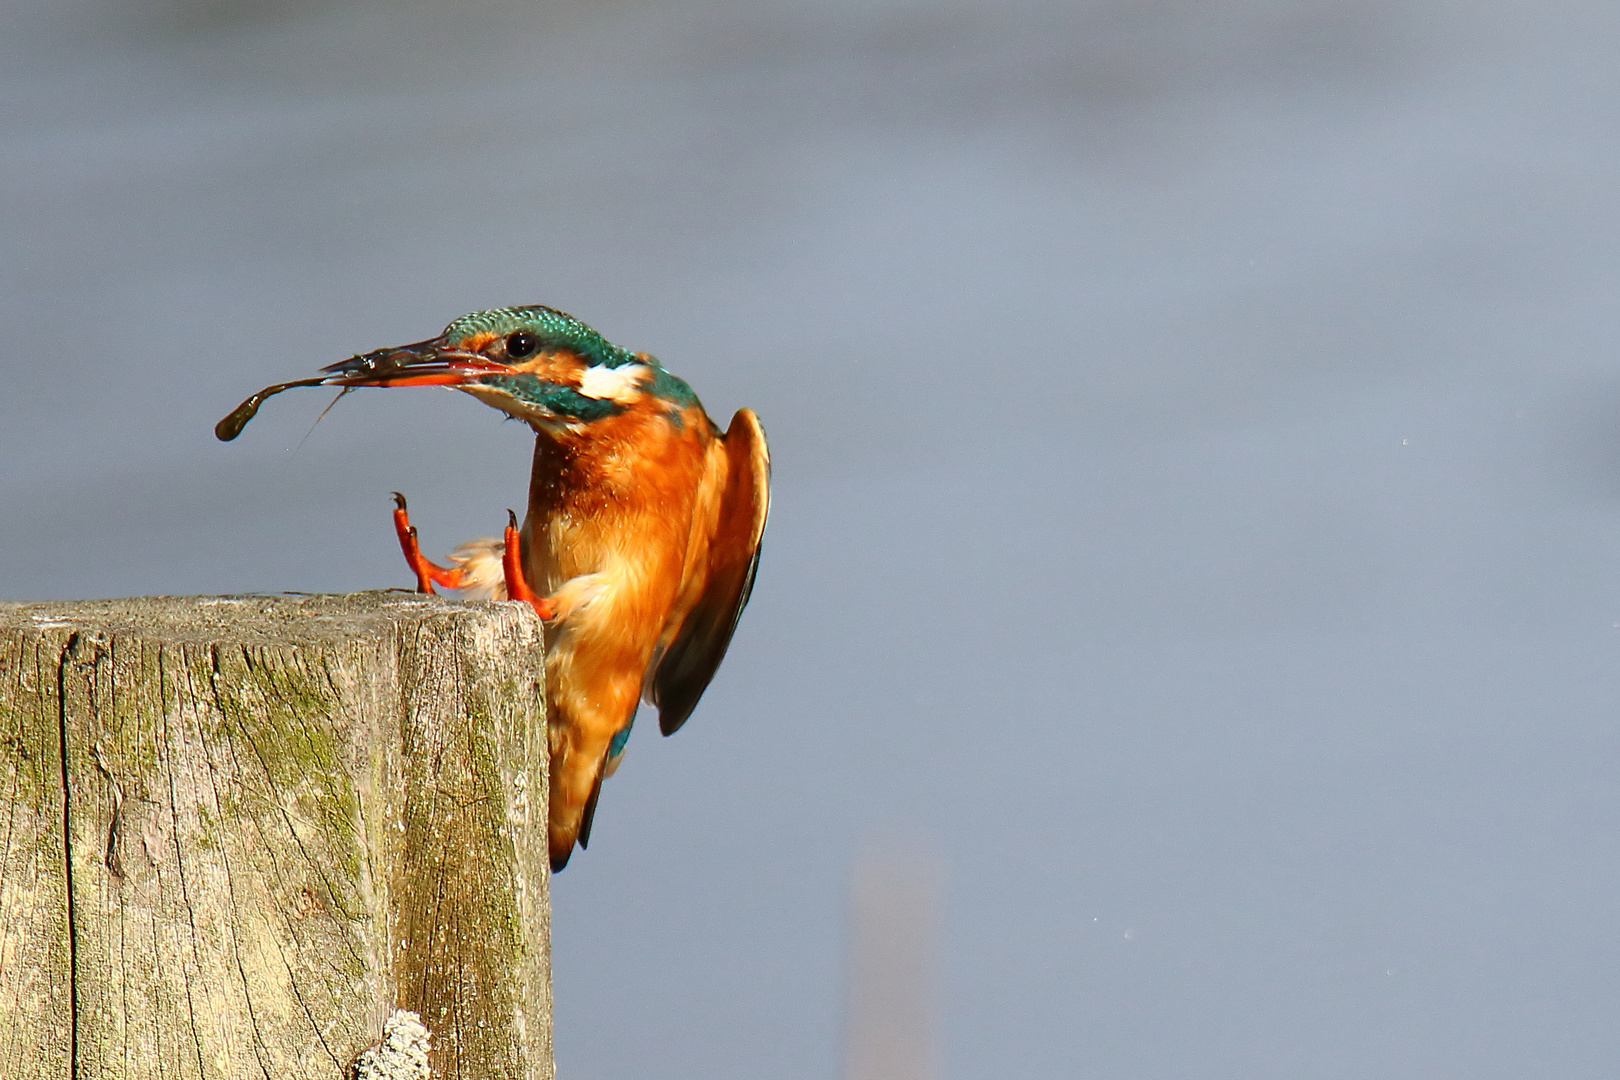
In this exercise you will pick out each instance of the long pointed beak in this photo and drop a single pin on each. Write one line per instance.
(426, 363)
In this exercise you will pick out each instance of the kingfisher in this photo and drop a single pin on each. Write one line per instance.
(641, 540)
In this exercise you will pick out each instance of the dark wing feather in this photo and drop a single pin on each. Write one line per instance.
(590, 811)
(694, 655)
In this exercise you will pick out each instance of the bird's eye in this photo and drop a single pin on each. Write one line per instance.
(520, 344)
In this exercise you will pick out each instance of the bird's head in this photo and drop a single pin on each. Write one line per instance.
(535, 363)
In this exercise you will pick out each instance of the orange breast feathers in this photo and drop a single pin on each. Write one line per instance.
(610, 525)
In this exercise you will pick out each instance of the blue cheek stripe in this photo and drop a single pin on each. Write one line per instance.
(670, 388)
(553, 397)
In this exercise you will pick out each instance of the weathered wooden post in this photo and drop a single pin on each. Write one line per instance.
(239, 834)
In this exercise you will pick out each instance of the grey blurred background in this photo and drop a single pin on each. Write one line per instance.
(1197, 445)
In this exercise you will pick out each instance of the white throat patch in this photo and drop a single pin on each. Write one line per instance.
(621, 384)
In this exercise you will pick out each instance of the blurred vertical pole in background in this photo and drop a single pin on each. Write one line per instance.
(889, 1030)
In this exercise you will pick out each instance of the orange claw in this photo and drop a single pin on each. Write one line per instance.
(426, 572)
(512, 563)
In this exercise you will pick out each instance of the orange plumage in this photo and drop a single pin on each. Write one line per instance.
(628, 539)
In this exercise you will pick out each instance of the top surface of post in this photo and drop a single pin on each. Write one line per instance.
(287, 618)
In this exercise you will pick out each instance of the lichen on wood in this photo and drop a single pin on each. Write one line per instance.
(279, 820)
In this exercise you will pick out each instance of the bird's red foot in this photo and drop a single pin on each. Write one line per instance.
(426, 572)
(512, 563)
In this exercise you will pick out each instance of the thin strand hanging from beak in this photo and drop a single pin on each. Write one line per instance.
(321, 417)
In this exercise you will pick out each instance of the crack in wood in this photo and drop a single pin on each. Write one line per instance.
(113, 863)
(67, 854)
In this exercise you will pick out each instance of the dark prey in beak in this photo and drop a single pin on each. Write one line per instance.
(413, 365)
(230, 427)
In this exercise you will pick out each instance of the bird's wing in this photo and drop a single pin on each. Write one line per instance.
(690, 661)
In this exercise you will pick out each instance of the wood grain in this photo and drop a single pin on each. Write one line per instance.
(242, 831)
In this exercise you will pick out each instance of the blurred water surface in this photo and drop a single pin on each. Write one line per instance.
(1197, 444)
